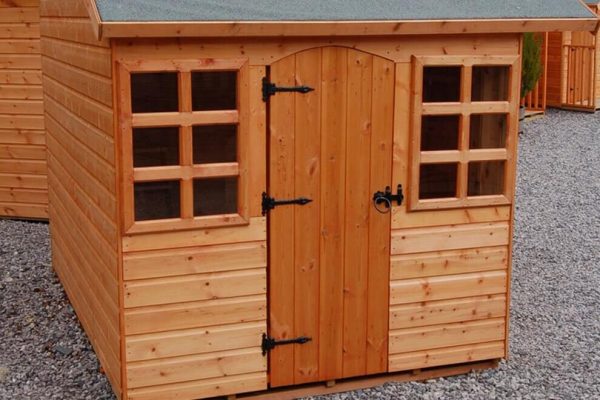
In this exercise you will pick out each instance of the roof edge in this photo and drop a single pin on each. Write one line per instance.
(94, 15)
(333, 28)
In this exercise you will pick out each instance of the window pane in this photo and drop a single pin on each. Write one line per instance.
(215, 144)
(154, 92)
(156, 200)
(441, 84)
(214, 90)
(215, 196)
(438, 181)
(488, 131)
(440, 132)
(486, 178)
(155, 147)
(490, 84)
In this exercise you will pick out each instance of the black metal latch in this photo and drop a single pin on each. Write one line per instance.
(270, 89)
(386, 198)
(269, 203)
(268, 343)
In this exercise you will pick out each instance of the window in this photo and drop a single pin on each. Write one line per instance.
(183, 126)
(464, 131)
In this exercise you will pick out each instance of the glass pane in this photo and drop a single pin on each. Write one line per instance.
(441, 84)
(490, 84)
(155, 147)
(154, 92)
(157, 200)
(215, 196)
(488, 131)
(440, 132)
(215, 144)
(438, 181)
(214, 90)
(486, 178)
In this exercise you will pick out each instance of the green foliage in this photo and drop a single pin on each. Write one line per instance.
(532, 63)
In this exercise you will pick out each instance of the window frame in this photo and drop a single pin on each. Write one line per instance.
(185, 119)
(463, 108)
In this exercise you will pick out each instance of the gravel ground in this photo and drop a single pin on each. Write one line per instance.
(555, 327)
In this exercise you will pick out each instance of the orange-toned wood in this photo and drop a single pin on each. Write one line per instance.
(536, 100)
(343, 143)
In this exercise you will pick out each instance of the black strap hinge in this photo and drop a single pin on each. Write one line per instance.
(270, 89)
(268, 343)
(269, 203)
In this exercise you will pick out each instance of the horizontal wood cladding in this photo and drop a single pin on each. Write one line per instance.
(82, 176)
(23, 191)
(403, 220)
(447, 335)
(195, 260)
(447, 311)
(450, 237)
(196, 367)
(194, 341)
(201, 389)
(446, 356)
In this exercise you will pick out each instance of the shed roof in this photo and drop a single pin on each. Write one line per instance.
(214, 18)
(337, 10)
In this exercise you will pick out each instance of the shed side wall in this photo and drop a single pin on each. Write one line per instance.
(23, 182)
(82, 179)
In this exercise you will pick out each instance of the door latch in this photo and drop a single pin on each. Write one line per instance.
(269, 203)
(270, 89)
(268, 343)
(386, 199)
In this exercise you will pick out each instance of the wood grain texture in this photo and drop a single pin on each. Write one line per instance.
(21, 110)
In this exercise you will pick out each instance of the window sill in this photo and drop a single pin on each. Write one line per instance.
(179, 224)
(452, 203)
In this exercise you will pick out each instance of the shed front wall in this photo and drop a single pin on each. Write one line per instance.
(195, 300)
(23, 182)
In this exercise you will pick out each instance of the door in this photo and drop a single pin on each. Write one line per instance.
(329, 259)
(581, 71)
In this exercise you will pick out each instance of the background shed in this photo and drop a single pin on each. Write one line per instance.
(23, 182)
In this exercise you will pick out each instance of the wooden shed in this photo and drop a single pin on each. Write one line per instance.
(23, 183)
(573, 79)
(247, 196)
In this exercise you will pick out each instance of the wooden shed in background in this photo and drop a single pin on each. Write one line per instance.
(23, 183)
(226, 185)
(573, 77)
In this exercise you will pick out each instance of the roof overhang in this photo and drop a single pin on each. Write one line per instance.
(134, 29)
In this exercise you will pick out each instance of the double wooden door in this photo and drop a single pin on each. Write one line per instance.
(329, 259)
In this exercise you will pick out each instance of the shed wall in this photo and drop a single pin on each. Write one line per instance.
(23, 182)
(82, 178)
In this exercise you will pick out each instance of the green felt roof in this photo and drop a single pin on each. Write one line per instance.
(336, 10)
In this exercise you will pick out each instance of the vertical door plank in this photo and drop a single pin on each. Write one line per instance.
(333, 152)
(307, 218)
(257, 141)
(380, 224)
(281, 225)
(358, 204)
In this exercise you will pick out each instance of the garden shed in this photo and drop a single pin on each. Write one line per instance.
(249, 196)
(23, 182)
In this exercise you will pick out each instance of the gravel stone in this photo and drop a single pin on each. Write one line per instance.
(555, 325)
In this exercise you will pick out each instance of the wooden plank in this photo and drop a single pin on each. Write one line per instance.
(63, 8)
(449, 262)
(446, 335)
(16, 77)
(447, 311)
(23, 107)
(450, 237)
(21, 92)
(281, 254)
(194, 341)
(29, 167)
(202, 389)
(19, 3)
(195, 368)
(21, 210)
(358, 203)
(20, 61)
(195, 315)
(27, 196)
(448, 287)
(216, 285)
(19, 46)
(257, 157)
(446, 356)
(22, 152)
(307, 148)
(18, 136)
(401, 219)
(197, 260)
(19, 30)
(333, 150)
(379, 224)
(89, 58)
(16, 14)
(185, 118)
(23, 181)
(73, 30)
